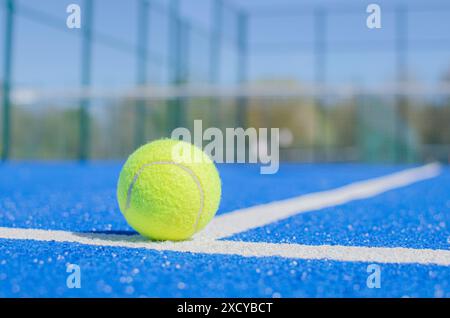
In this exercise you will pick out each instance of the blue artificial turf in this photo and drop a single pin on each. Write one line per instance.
(416, 216)
(81, 197)
(31, 269)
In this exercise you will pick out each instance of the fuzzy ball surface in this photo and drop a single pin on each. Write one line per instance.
(168, 190)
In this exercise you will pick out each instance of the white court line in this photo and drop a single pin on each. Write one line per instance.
(243, 220)
(245, 249)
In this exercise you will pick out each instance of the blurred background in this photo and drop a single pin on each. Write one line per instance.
(137, 69)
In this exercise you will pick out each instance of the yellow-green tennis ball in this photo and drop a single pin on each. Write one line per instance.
(168, 190)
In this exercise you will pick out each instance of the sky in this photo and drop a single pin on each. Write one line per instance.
(281, 42)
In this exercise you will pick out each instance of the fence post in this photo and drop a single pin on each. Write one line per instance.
(242, 75)
(175, 104)
(320, 75)
(185, 56)
(215, 54)
(86, 64)
(141, 70)
(7, 70)
(401, 48)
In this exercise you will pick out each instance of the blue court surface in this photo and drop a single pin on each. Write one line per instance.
(307, 231)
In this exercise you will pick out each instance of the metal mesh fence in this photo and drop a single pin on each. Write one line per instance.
(366, 116)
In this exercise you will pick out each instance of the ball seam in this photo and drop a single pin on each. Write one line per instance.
(187, 169)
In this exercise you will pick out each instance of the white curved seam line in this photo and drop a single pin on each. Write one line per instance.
(189, 171)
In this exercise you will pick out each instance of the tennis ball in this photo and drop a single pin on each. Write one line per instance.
(168, 190)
